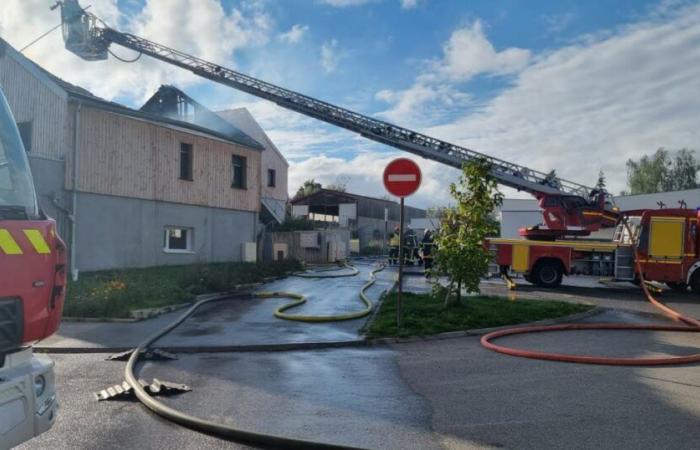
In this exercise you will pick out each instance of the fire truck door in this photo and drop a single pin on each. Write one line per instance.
(666, 246)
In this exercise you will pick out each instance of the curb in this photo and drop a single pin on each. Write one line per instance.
(316, 345)
(481, 331)
(212, 349)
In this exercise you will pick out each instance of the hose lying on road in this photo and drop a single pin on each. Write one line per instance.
(319, 273)
(692, 326)
(300, 300)
(228, 431)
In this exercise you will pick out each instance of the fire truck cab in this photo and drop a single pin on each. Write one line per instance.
(667, 240)
(32, 281)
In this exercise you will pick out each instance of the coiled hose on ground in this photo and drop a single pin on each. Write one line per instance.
(691, 326)
(228, 431)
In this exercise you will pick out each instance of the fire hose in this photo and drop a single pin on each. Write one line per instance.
(691, 326)
(229, 431)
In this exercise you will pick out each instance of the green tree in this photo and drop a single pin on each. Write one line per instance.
(663, 172)
(309, 187)
(339, 187)
(459, 242)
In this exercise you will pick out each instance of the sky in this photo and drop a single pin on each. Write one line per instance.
(574, 86)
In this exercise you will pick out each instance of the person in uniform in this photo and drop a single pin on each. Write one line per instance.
(394, 242)
(427, 244)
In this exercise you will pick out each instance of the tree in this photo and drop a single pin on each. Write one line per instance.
(662, 172)
(600, 185)
(460, 252)
(309, 187)
(339, 187)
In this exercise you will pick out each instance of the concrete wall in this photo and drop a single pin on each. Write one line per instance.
(120, 232)
(332, 245)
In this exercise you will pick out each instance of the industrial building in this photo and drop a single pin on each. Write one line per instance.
(369, 219)
(137, 188)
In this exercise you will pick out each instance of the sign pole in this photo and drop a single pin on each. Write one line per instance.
(401, 258)
(401, 178)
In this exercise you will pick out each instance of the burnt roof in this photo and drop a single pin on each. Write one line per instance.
(82, 95)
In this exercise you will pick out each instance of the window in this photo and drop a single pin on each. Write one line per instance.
(271, 178)
(238, 164)
(25, 132)
(178, 240)
(186, 158)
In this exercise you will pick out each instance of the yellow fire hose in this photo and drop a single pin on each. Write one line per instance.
(300, 300)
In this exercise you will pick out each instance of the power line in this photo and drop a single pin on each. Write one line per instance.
(39, 38)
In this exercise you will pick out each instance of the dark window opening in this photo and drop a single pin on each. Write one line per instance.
(178, 239)
(25, 132)
(238, 164)
(271, 178)
(186, 159)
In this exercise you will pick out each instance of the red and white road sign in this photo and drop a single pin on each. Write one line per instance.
(402, 177)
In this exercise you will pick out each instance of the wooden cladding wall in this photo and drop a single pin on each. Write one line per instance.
(128, 157)
(33, 98)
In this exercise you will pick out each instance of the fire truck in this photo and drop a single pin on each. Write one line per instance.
(667, 241)
(32, 281)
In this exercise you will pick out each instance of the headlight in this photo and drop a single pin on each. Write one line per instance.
(39, 385)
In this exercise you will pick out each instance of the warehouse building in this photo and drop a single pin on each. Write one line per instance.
(134, 188)
(369, 219)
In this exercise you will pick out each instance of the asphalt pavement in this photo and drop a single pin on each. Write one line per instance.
(449, 393)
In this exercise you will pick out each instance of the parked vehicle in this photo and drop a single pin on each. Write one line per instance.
(667, 241)
(32, 288)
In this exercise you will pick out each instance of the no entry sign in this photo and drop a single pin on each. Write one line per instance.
(402, 177)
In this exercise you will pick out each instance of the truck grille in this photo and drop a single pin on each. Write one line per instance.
(11, 324)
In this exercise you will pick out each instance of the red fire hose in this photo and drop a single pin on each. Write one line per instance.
(691, 325)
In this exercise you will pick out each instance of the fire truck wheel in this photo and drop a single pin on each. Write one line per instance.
(547, 274)
(695, 282)
(677, 286)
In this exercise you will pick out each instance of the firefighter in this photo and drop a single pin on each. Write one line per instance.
(427, 251)
(394, 242)
(410, 246)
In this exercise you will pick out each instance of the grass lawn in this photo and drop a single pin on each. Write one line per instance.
(114, 293)
(424, 314)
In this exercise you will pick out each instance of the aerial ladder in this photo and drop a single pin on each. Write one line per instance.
(569, 208)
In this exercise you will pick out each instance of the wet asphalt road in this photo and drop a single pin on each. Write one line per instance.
(345, 396)
(449, 393)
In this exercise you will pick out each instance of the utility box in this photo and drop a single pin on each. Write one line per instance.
(250, 252)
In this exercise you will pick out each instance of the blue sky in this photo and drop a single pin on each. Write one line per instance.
(567, 85)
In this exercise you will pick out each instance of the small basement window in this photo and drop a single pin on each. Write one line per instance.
(186, 159)
(271, 178)
(178, 240)
(238, 164)
(25, 132)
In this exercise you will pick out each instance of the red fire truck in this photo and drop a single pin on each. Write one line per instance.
(668, 245)
(32, 280)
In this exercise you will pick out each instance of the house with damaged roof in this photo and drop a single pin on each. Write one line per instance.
(139, 187)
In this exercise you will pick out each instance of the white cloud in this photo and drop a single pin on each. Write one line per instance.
(422, 103)
(593, 105)
(409, 4)
(558, 22)
(207, 31)
(329, 56)
(469, 53)
(345, 3)
(363, 173)
(295, 34)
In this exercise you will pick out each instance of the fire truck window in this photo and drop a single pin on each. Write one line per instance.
(644, 237)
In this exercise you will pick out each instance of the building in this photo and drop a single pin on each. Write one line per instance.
(134, 188)
(274, 167)
(516, 213)
(369, 219)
